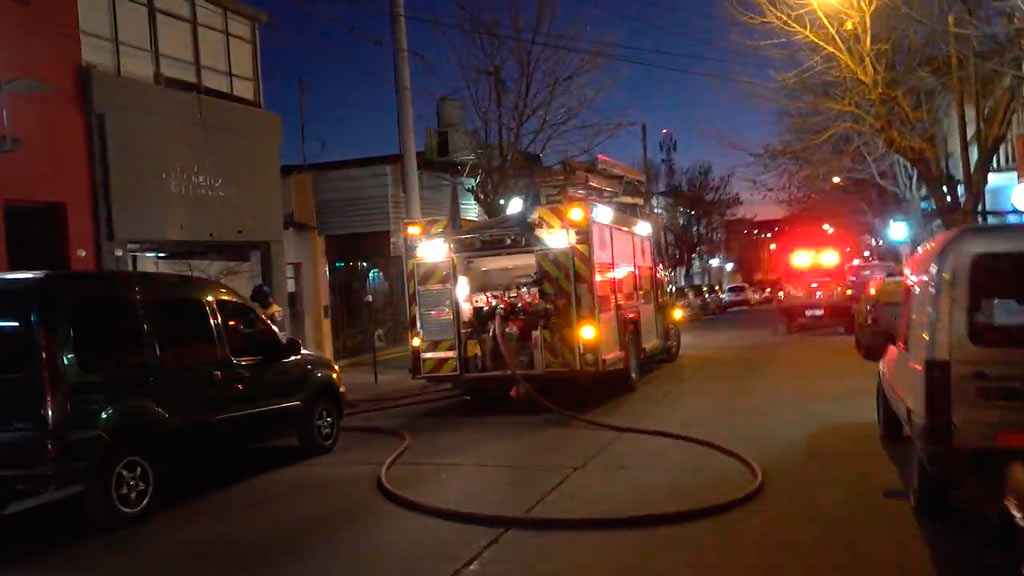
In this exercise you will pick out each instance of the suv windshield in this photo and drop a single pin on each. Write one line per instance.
(996, 309)
(15, 334)
(737, 289)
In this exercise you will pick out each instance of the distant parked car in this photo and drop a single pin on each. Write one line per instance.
(691, 298)
(877, 315)
(738, 295)
(715, 298)
(108, 378)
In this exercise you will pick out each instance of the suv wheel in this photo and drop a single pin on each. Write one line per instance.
(890, 429)
(125, 488)
(632, 362)
(318, 429)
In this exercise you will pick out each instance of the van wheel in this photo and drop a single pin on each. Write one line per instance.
(890, 429)
(632, 362)
(672, 344)
(318, 427)
(927, 491)
(125, 489)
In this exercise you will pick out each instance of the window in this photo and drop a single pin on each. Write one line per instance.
(15, 334)
(106, 335)
(996, 300)
(248, 333)
(118, 36)
(184, 334)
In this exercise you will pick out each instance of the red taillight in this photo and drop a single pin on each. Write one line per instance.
(938, 400)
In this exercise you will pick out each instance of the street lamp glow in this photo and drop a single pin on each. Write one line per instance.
(899, 230)
(836, 179)
(515, 205)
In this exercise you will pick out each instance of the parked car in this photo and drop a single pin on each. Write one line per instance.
(953, 377)
(107, 379)
(691, 298)
(738, 295)
(715, 298)
(877, 315)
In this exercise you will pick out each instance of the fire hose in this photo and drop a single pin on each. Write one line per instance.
(655, 518)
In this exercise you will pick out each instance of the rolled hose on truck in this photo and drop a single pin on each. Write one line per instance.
(655, 518)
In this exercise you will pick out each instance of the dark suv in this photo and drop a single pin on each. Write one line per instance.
(107, 378)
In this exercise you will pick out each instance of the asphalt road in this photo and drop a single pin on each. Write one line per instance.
(801, 405)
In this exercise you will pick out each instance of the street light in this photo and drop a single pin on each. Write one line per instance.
(836, 179)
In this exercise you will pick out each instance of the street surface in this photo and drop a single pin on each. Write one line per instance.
(802, 406)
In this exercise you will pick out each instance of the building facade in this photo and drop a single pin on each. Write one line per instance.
(184, 156)
(48, 216)
(360, 207)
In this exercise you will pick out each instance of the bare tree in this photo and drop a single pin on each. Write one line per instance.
(530, 94)
(869, 74)
(699, 203)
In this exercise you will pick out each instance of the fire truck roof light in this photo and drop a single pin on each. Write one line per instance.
(413, 230)
(643, 228)
(515, 205)
(828, 258)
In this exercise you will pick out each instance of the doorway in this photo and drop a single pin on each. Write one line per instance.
(296, 315)
(37, 236)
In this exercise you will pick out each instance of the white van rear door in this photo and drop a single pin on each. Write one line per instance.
(987, 347)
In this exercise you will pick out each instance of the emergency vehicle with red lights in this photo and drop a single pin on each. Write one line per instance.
(573, 283)
(814, 288)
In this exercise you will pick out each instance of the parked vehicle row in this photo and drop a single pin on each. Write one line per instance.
(107, 379)
(701, 300)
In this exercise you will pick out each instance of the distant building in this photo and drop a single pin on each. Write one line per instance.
(360, 208)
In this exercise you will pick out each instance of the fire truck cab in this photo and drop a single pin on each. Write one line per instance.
(571, 286)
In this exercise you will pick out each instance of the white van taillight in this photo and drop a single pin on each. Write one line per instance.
(938, 400)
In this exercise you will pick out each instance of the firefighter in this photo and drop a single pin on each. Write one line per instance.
(270, 309)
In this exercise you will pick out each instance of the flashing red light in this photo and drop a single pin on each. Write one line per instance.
(828, 258)
(802, 258)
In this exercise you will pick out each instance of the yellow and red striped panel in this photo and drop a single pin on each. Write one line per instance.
(437, 358)
(555, 267)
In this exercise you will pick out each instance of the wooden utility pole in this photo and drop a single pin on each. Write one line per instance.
(961, 119)
(647, 174)
(302, 119)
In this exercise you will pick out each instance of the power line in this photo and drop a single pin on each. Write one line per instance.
(586, 52)
(610, 44)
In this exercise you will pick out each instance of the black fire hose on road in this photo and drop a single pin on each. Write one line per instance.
(656, 518)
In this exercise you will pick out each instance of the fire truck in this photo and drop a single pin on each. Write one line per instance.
(815, 290)
(574, 283)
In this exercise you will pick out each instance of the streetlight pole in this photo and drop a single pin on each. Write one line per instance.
(403, 97)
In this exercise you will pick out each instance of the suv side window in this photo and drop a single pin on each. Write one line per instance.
(106, 335)
(184, 333)
(249, 335)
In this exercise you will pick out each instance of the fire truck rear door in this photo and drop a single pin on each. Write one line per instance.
(436, 306)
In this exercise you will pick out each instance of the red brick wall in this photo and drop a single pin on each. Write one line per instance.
(39, 39)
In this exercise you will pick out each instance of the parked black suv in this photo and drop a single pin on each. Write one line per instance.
(107, 378)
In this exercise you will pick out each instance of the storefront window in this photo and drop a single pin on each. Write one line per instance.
(118, 36)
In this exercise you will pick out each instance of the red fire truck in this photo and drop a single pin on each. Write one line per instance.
(814, 284)
(574, 285)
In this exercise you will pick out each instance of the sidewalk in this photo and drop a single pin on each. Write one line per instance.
(392, 378)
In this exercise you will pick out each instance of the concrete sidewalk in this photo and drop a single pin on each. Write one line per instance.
(392, 379)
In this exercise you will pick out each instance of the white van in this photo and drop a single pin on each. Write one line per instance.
(955, 377)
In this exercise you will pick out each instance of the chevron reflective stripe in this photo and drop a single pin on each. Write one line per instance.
(437, 346)
(433, 273)
(551, 217)
(556, 268)
(434, 366)
(437, 226)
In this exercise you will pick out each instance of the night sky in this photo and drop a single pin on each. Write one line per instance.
(342, 48)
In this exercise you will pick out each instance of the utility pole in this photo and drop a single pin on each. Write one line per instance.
(302, 119)
(403, 97)
(979, 135)
(496, 72)
(647, 175)
(961, 120)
